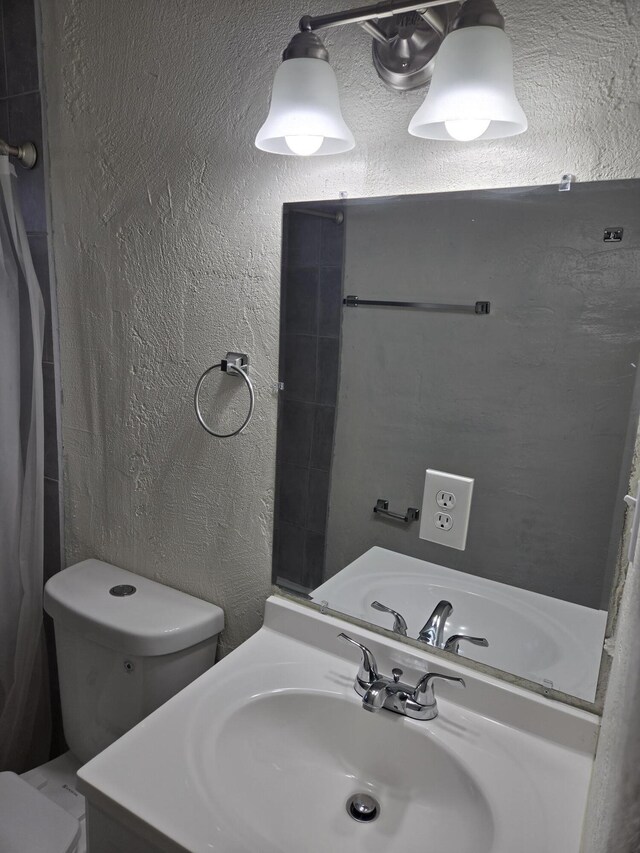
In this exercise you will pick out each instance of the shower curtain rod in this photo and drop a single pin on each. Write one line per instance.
(26, 152)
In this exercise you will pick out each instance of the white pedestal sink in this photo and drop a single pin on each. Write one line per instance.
(263, 752)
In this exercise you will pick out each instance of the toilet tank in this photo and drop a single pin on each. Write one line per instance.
(124, 646)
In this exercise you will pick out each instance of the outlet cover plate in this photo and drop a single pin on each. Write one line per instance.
(462, 489)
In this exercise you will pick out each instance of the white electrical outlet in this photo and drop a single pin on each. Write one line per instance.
(446, 506)
(443, 520)
(447, 500)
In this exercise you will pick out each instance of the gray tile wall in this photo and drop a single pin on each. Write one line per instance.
(21, 120)
(310, 320)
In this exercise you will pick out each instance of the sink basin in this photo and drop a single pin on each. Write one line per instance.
(262, 753)
(301, 756)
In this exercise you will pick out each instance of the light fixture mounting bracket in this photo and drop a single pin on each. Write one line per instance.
(406, 36)
(406, 58)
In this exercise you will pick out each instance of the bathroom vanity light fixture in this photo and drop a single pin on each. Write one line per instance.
(305, 117)
(462, 45)
(471, 95)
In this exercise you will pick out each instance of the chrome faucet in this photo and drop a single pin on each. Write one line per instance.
(379, 691)
(432, 632)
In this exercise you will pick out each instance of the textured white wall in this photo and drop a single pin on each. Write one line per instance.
(167, 241)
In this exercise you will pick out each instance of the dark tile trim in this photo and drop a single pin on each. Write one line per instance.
(20, 94)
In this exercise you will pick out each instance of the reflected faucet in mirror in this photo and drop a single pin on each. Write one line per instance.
(432, 632)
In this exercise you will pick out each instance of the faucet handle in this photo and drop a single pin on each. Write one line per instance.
(453, 643)
(399, 622)
(368, 672)
(426, 685)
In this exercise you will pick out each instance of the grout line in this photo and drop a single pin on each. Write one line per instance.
(19, 94)
(4, 53)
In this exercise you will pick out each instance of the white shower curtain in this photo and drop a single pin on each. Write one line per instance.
(24, 727)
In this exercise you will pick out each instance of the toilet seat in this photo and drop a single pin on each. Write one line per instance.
(30, 822)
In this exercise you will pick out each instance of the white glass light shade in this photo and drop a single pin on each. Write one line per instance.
(305, 106)
(471, 94)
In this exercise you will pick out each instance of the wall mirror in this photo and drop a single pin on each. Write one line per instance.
(492, 336)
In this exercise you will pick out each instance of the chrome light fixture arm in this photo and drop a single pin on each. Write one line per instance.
(361, 14)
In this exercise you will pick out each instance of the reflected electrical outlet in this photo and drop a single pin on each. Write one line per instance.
(446, 507)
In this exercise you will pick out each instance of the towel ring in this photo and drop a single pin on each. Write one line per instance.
(236, 364)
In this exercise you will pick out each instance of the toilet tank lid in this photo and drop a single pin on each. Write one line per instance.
(30, 821)
(153, 620)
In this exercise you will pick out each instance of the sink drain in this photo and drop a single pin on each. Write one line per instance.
(363, 808)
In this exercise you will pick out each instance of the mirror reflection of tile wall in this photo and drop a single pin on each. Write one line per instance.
(311, 314)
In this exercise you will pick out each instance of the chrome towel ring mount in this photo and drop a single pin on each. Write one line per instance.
(235, 364)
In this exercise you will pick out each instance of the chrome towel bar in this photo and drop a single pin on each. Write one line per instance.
(481, 307)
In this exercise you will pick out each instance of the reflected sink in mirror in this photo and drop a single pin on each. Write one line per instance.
(554, 643)
(267, 750)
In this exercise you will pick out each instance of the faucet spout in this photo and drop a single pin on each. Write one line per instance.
(375, 697)
(432, 631)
